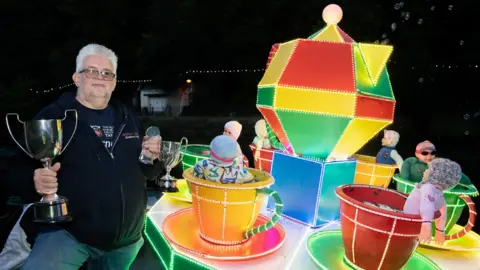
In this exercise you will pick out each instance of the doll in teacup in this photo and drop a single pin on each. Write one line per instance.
(427, 197)
(234, 129)
(223, 166)
(388, 154)
(261, 140)
(413, 167)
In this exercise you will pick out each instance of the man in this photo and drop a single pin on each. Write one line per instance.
(99, 173)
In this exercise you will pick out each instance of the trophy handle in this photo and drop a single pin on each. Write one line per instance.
(183, 139)
(11, 134)
(74, 129)
(184, 145)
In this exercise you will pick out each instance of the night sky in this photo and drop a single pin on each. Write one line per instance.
(434, 68)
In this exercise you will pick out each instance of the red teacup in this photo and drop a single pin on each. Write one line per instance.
(376, 237)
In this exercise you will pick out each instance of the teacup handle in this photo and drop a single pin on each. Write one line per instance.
(472, 214)
(74, 129)
(276, 216)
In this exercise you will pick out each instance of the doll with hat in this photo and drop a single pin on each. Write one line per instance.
(233, 129)
(222, 166)
(414, 167)
(388, 154)
(261, 140)
(427, 197)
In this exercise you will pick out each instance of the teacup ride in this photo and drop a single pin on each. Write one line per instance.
(459, 238)
(375, 233)
(264, 163)
(368, 172)
(224, 222)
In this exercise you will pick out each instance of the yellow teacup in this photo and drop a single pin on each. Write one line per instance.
(226, 213)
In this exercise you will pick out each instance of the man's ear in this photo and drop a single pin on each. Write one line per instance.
(76, 79)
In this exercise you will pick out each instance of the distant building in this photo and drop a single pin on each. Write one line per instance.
(155, 101)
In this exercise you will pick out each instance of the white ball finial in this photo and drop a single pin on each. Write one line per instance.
(332, 14)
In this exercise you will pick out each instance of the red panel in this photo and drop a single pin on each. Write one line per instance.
(321, 65)
(345, 36)
(271, 117)
(273, 51)
(373, 107)
(264, 163)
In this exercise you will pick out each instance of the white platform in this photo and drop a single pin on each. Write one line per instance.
(293, 254)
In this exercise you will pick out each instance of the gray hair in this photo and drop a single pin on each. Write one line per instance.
(444, 172)
(96, 49)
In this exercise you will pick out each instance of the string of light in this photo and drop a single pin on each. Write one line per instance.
(213, 71)
(196, 71)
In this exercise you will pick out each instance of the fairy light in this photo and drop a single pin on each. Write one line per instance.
(215, 71)
(52, 89)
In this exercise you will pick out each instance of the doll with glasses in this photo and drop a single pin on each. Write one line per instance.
(414, 167)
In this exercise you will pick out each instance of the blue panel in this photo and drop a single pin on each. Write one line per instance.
(296, 181)
(335, 174)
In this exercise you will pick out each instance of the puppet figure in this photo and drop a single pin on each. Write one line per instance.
(388, 154)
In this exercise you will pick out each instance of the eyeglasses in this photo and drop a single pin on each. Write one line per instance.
(426, 153)
(92, 73)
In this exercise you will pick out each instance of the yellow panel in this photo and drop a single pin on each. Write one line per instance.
(357, 134)
(375, 57)
(278, 63)
(329, 33)
(317, 101)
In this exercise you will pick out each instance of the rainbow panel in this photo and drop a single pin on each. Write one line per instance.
(321, 65)
(365, 84)
(356, 134)
(372, 107)
(328, 33)
(375, 57)
(315, 101)
(266, 96)
(278, 63)
(304, 130)
(272, 119)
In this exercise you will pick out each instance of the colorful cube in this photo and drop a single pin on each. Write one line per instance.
(307, 187)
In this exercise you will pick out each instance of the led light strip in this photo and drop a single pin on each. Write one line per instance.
(379, 230)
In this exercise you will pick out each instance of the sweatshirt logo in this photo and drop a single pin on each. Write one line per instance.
(131, 135)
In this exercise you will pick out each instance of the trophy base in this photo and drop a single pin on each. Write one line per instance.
(52, 211)
(167, 184)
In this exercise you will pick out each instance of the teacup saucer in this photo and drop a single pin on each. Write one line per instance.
(327, 251)
(182, 232)
(183, 193)
(468, 242)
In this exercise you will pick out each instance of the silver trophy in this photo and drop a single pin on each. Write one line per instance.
(43, 140)
(171, 155)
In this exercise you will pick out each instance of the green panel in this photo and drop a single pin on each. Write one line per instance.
(315, 34)
(169, 259)
(312, 134)
(266, 95)
(193, 154)
(383, 88)
(158, 243)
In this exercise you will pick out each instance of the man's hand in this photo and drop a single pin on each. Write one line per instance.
(152, 145)
(45, 180)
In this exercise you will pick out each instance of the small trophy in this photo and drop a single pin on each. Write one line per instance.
(171, 155)
(43, 140)
(150, 132)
